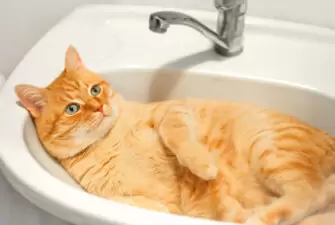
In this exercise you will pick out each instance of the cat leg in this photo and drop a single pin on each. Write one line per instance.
(301, 188)
(142, 202)
(177, 130)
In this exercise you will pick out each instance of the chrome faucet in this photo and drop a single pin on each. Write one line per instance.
(228, 40)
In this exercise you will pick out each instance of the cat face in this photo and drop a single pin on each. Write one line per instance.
(77, 109)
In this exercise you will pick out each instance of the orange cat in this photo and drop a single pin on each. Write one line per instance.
(195, 157)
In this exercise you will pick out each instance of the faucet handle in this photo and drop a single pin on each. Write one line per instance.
(228, 4)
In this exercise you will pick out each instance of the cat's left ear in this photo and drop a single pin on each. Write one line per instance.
(73, 60)
(32, 98)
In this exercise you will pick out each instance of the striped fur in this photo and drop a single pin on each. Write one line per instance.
(196, 157)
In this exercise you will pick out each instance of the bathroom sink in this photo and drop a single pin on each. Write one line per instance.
(285, 66)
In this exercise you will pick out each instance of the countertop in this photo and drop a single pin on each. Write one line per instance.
(16, 210)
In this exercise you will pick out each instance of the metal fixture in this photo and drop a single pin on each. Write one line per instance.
(228, 40)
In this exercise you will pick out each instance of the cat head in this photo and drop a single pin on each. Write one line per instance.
(77, 109)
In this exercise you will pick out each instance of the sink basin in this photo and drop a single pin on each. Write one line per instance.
(146, 85)
(285, 66)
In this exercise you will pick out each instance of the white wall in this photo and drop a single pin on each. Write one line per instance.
(23, 22)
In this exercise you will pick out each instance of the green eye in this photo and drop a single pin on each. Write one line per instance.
(95, 90)
(72, 108)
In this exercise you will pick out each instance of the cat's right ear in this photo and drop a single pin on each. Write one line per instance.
(73, 60)
(32, 98)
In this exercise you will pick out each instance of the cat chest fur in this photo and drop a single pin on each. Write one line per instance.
(131, 163)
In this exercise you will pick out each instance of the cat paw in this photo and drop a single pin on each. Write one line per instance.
(199, 161)
(205, 172)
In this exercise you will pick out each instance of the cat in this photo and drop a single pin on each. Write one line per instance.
(196, 157)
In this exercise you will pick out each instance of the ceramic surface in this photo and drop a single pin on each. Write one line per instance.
(284, 65)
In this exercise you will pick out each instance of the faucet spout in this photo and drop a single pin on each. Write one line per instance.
(159, 22)
(228, 40)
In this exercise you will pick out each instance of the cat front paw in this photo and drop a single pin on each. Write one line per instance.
(199, 161)
(205, 171)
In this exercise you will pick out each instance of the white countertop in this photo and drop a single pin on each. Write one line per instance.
(16, 210)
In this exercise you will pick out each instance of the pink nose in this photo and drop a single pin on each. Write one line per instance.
(100, 109)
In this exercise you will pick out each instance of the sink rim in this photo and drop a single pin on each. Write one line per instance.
(42, 193)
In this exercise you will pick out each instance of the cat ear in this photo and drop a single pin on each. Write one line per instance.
(32, 98)
(73, 61)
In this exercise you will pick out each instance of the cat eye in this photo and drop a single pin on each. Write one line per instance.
(72, 108)
(95, 90)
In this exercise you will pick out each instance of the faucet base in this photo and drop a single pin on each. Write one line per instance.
(227, 52)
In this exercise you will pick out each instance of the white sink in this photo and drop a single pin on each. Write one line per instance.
(284, 66)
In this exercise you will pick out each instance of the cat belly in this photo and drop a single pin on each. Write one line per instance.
(149, 169)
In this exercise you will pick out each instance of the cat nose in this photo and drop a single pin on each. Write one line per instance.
(101, 108)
